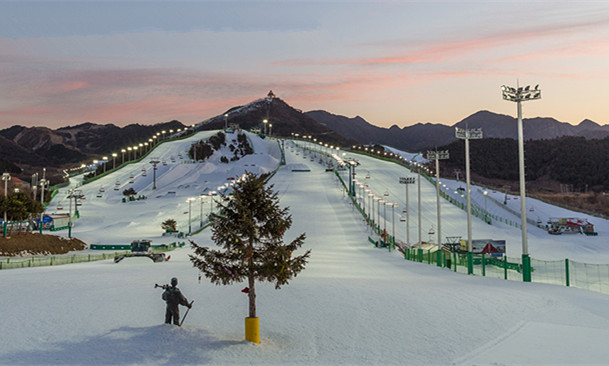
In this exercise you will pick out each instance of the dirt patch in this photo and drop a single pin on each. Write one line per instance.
(36, 244)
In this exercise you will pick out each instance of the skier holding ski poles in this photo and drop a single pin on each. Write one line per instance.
(173, 297)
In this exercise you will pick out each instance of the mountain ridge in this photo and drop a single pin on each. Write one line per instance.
(423, 136)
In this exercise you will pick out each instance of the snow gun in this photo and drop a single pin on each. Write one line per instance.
(164, 287)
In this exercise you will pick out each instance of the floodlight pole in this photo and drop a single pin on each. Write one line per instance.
(437, 156)
(406, 181)
(519, 95)
(467, 134)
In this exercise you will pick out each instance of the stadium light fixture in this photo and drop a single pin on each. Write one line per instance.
(519, 95)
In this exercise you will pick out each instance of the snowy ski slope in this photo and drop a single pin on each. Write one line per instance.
(353, 304)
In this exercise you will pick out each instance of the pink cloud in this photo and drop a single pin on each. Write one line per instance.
(435, 51)
(151, 96)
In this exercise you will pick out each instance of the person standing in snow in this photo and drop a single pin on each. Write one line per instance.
(173, 297)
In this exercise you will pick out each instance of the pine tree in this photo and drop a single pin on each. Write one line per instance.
(249, 227)
(169, 225)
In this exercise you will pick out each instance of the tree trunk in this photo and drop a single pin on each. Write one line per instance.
(251, 277)
(252, 296)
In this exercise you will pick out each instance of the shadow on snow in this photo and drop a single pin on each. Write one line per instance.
(161, 344)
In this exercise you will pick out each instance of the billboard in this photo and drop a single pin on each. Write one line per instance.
(496, 248)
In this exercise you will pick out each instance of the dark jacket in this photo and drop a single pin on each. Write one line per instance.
(173, 297)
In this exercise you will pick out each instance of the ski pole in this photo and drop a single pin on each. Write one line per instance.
(186, 313)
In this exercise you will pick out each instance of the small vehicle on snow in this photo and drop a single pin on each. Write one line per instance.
(141, 248)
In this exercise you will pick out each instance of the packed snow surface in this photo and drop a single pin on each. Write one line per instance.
(353, 304)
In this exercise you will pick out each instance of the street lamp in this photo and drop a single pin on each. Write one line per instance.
(485, 193)
(43, 184)
(466, 135)
(105, 160)
(201, 212)
(225, 122)
(211, 200)
(374, 212)
(129, 149)
(34, 184)
(385, 218)
(406, 181)
(270, 129)
(393, 206)
(437, 156)
(135, 152)
(5, 177)
(264, 122)
(419, 211)
(519, 95)
(95, 162)
(114, 155)
(190, 214)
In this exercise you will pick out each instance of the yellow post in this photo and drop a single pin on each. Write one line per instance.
(252, 330)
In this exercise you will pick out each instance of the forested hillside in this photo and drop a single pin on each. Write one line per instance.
(571, 160)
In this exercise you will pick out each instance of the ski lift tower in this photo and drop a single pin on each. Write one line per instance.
(519, 95)
(72, 194)
(154, 162)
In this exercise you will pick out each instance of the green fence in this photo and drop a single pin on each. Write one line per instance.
(156, 248)
(11, 263)
(593, 277)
